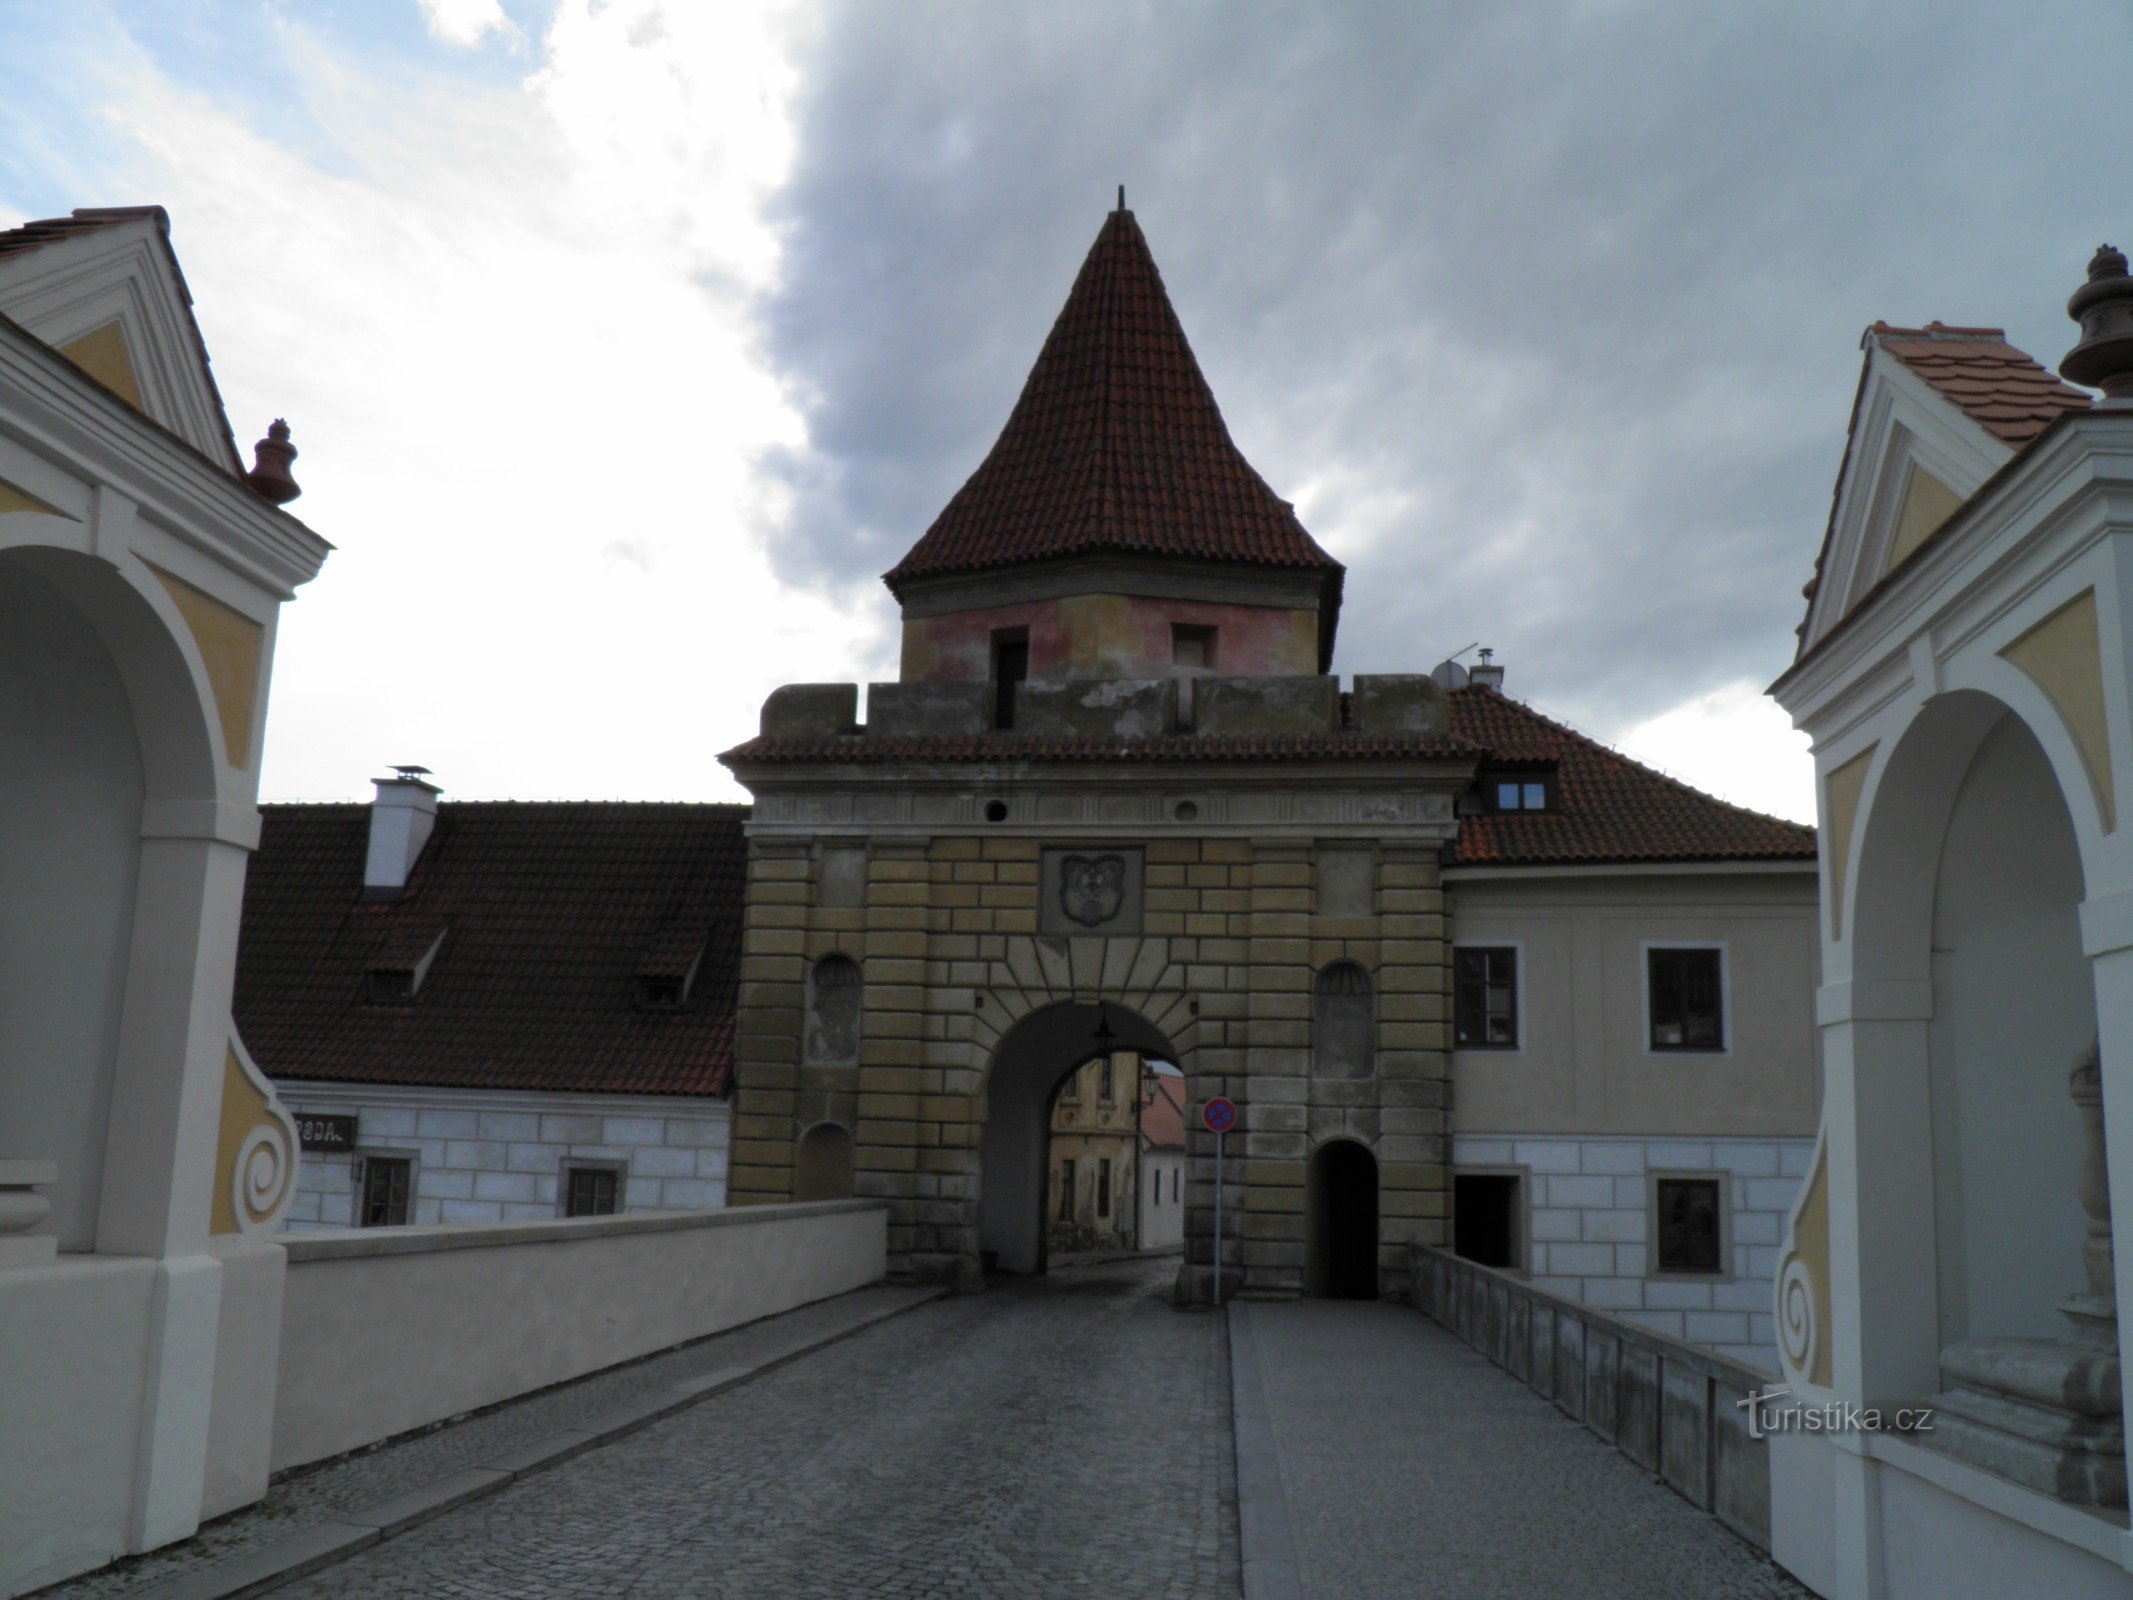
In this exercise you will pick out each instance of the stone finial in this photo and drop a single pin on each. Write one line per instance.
(269, 476)
(2103, 306)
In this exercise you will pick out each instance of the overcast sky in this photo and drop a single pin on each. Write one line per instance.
(627, 344)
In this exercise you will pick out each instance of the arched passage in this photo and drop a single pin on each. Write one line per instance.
(1341, 1222)
(1036, 1056)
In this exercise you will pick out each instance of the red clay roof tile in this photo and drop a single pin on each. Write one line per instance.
(1996, 385)
(1115, 446)
(1608, 807)
(1163, 1111)
(862, 749)
(551, 912)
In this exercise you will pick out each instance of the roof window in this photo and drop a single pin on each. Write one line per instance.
(396, 972)
(1518, 791)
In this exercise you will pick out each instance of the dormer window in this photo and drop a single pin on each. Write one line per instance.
(397, 970)
(1518, 791)
(663, 993)
(1192, 645)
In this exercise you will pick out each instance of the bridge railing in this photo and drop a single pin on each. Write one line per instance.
(1674, 1408)
(385, 1330)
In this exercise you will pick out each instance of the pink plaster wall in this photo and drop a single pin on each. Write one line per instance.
(1110, 636)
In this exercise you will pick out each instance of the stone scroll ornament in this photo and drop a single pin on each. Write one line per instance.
(259, 1146)
(1092, 888)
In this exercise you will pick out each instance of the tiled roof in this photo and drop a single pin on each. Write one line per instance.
(1163, 1111)
(1608, 807)
(1342, 745)
(2000, 388)
(1116, 446)
(550, 914)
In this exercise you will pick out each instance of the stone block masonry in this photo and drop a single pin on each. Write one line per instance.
(1223, 963)
(500, 1155)
(1587, 1214)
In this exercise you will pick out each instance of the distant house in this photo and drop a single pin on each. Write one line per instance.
(496, 1011)
(1162, 1162)
(1090, 1198)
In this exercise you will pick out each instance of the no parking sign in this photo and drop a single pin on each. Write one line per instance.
(1218, 1114)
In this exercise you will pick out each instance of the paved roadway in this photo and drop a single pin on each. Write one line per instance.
(1067, 1437)
(1413, 1469)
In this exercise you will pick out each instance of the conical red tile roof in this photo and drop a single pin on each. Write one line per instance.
(1116, 446)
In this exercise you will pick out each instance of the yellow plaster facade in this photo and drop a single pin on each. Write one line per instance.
(1842, 789)
(1927, 503)
(231, 645)
(104, 356)
(2063, 656)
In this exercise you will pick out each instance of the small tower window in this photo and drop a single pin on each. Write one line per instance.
(1010, 670)
(1192, 645)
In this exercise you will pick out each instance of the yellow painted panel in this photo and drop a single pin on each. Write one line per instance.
(13, 499)
(1805, 1313)
(1840, 809)
(104, 356)
(230, 644)
(2063, 656)
(1927, 503)
(243, 1109)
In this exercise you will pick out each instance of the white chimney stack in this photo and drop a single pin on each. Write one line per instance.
(1486, 674)
(400, 822)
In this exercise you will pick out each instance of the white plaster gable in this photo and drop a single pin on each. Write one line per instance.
(125, 274)
(1901, 427)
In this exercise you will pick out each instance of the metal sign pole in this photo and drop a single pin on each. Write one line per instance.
(1218, 1218)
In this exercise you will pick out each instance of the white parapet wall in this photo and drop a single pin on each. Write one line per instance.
(385, 1330)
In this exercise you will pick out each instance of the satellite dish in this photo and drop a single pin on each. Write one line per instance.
(1449, 675)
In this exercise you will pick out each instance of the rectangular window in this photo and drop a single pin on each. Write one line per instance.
(385, 1186)
(1485, 997)
(1103, 1189)
(1010, 670)
(1103, 1081)
(1175, 1175)
(1066, 1190)
(1486, 1225)
(1688, 1223)
(1687, 1003)
(591, 1191)
(1192, 645)
(1517, 792)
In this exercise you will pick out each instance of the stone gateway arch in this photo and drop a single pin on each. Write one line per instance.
(1115, 779)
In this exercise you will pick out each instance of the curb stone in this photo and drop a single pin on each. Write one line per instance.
(347, 1533)
(1268, 1554)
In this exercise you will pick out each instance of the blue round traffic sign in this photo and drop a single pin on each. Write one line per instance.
(1219, 1114)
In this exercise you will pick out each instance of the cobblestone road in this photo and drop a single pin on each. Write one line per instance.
(1068, 1437)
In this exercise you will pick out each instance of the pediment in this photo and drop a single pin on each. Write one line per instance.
(110, 299)
(1912, 460)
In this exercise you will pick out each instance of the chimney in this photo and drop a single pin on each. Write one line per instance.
(400, 822)
(1486, 673)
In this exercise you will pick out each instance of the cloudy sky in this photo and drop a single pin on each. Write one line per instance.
(627, 344)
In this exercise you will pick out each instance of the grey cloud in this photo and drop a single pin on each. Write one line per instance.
(1547, 316)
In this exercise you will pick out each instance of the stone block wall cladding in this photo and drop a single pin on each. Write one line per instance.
(497, 1157)
(1224, 965)
(1588, 1208)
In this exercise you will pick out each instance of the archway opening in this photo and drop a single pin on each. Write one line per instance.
(1022, 1195)
(822, 1165)
(1341, 1222)
(1967, 910)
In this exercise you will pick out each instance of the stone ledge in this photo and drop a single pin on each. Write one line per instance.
(341, 1244)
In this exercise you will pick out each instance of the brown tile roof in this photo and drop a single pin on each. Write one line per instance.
(1608, 807)
(1163, 1111)
(550, 914)
(94, 219)
(2000, 388)
(1117, 446)
(1341, 745)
